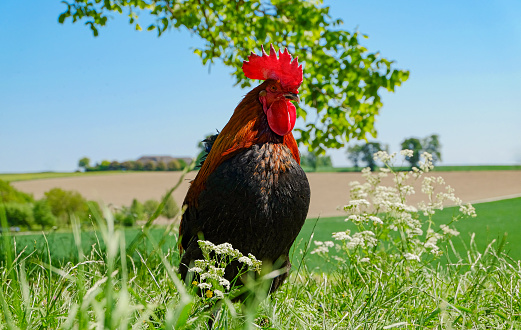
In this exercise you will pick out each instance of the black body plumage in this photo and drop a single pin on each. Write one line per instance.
(257, 201)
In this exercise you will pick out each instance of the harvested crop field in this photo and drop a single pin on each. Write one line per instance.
(328, 190)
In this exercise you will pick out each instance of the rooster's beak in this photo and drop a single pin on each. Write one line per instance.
(292, 96)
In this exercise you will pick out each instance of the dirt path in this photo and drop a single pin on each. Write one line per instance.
(328, 190)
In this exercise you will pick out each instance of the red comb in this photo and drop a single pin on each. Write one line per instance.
(270, 67)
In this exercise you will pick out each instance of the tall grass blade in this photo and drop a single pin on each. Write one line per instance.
(133, 245)
(6, 240)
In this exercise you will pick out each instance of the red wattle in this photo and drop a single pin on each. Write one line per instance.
(281, 117)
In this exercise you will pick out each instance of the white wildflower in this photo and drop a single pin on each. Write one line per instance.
(329, 244)
(468, 210)
(362, 239)
(375, 219)
(410, 256)
(224, 283)
(427, 164)
(342, 235)
(365, 260)
(449, 231)
(358, 202)
(195, 270)
(407, 152)
(204, 285)
(227, 249)
(383, 156)
(355, 218)
(417, 232)
(245, 260)
(218, 294)
(320, 249)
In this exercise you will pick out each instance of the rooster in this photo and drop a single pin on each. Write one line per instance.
(250, 190)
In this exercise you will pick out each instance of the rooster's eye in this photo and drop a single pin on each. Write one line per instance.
(273, 88)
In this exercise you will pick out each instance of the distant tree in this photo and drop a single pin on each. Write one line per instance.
(84, 163)
(114, 166)
(174, 165)
(170, 210)
(127, 165)
(415, 145)
(138, 166)
(63, 203)
(367, 153)
(149, 166)
(43, 214)
(354, 154)
(161, 166)
(431, 144)
(104, 166)
(315, 161)
(183, 164)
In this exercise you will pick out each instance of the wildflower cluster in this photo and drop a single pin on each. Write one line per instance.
(388, 225)
(210, 271)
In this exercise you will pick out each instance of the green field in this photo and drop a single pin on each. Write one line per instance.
(493, 221)
(63, 249)
(11, 177)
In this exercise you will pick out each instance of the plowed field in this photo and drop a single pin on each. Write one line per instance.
(329, 191)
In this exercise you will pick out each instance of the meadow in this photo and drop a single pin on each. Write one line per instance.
(493, 221)
(383, 269)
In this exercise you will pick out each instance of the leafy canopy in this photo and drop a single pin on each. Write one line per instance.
(342, 79)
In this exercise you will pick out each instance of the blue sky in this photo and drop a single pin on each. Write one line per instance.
(65, 94)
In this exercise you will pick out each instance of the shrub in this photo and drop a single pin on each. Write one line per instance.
(170, 210)
(127, 165)
(18, 214)
(125, 217)
(137, 209)
(43, 214)
(149, 166)
(174, 165)
(150, 206)
(63, 203)
(10, 194)
(161, 166)
(137, 166)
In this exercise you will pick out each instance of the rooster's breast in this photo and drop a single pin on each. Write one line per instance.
(257, 200)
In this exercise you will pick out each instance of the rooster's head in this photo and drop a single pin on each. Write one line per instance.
(283, 77)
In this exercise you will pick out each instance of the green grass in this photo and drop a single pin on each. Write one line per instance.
(493, 221)
(104, 290)
(63, 248)
(11, 177)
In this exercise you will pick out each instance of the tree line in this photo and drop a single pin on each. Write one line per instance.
(21, 211)
(363, 153)
(132, 165)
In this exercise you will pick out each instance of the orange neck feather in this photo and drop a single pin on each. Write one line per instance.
(247, 126)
